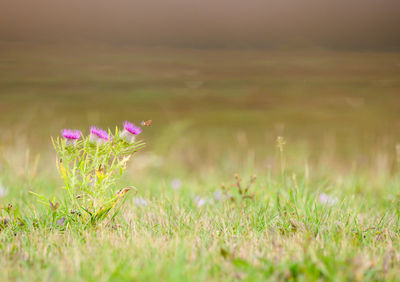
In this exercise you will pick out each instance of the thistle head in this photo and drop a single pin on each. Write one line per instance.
(130, 132)
(71, 134)
(131, 128)
(98, 135)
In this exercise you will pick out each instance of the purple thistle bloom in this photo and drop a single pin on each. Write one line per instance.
(71, 134)
(130, 132)
(98, 134)
(131, 128)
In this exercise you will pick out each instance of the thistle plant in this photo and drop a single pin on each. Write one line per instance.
(90, 168)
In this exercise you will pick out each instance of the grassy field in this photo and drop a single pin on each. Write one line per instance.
(325, 204)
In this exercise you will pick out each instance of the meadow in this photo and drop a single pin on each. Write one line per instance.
(318, 128)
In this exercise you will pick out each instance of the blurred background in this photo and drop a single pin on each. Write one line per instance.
(220, 80)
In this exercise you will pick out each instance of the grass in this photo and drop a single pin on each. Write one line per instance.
(326, 207)
(285, 232)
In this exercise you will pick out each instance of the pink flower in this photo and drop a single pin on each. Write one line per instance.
(328, 200)
(130, 132)
(98, 135)
(131, 128)
(71, 134)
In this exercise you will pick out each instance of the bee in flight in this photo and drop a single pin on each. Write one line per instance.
(146, 122)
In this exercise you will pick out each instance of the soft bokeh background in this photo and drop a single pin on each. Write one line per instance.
(220, 80)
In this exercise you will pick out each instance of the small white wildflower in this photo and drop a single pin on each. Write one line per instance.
(140, 202)
(327, 199)
(219, 196)
(200, 201)
(176, 183)
(3, 191)
(391, 197)
(61, 221)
